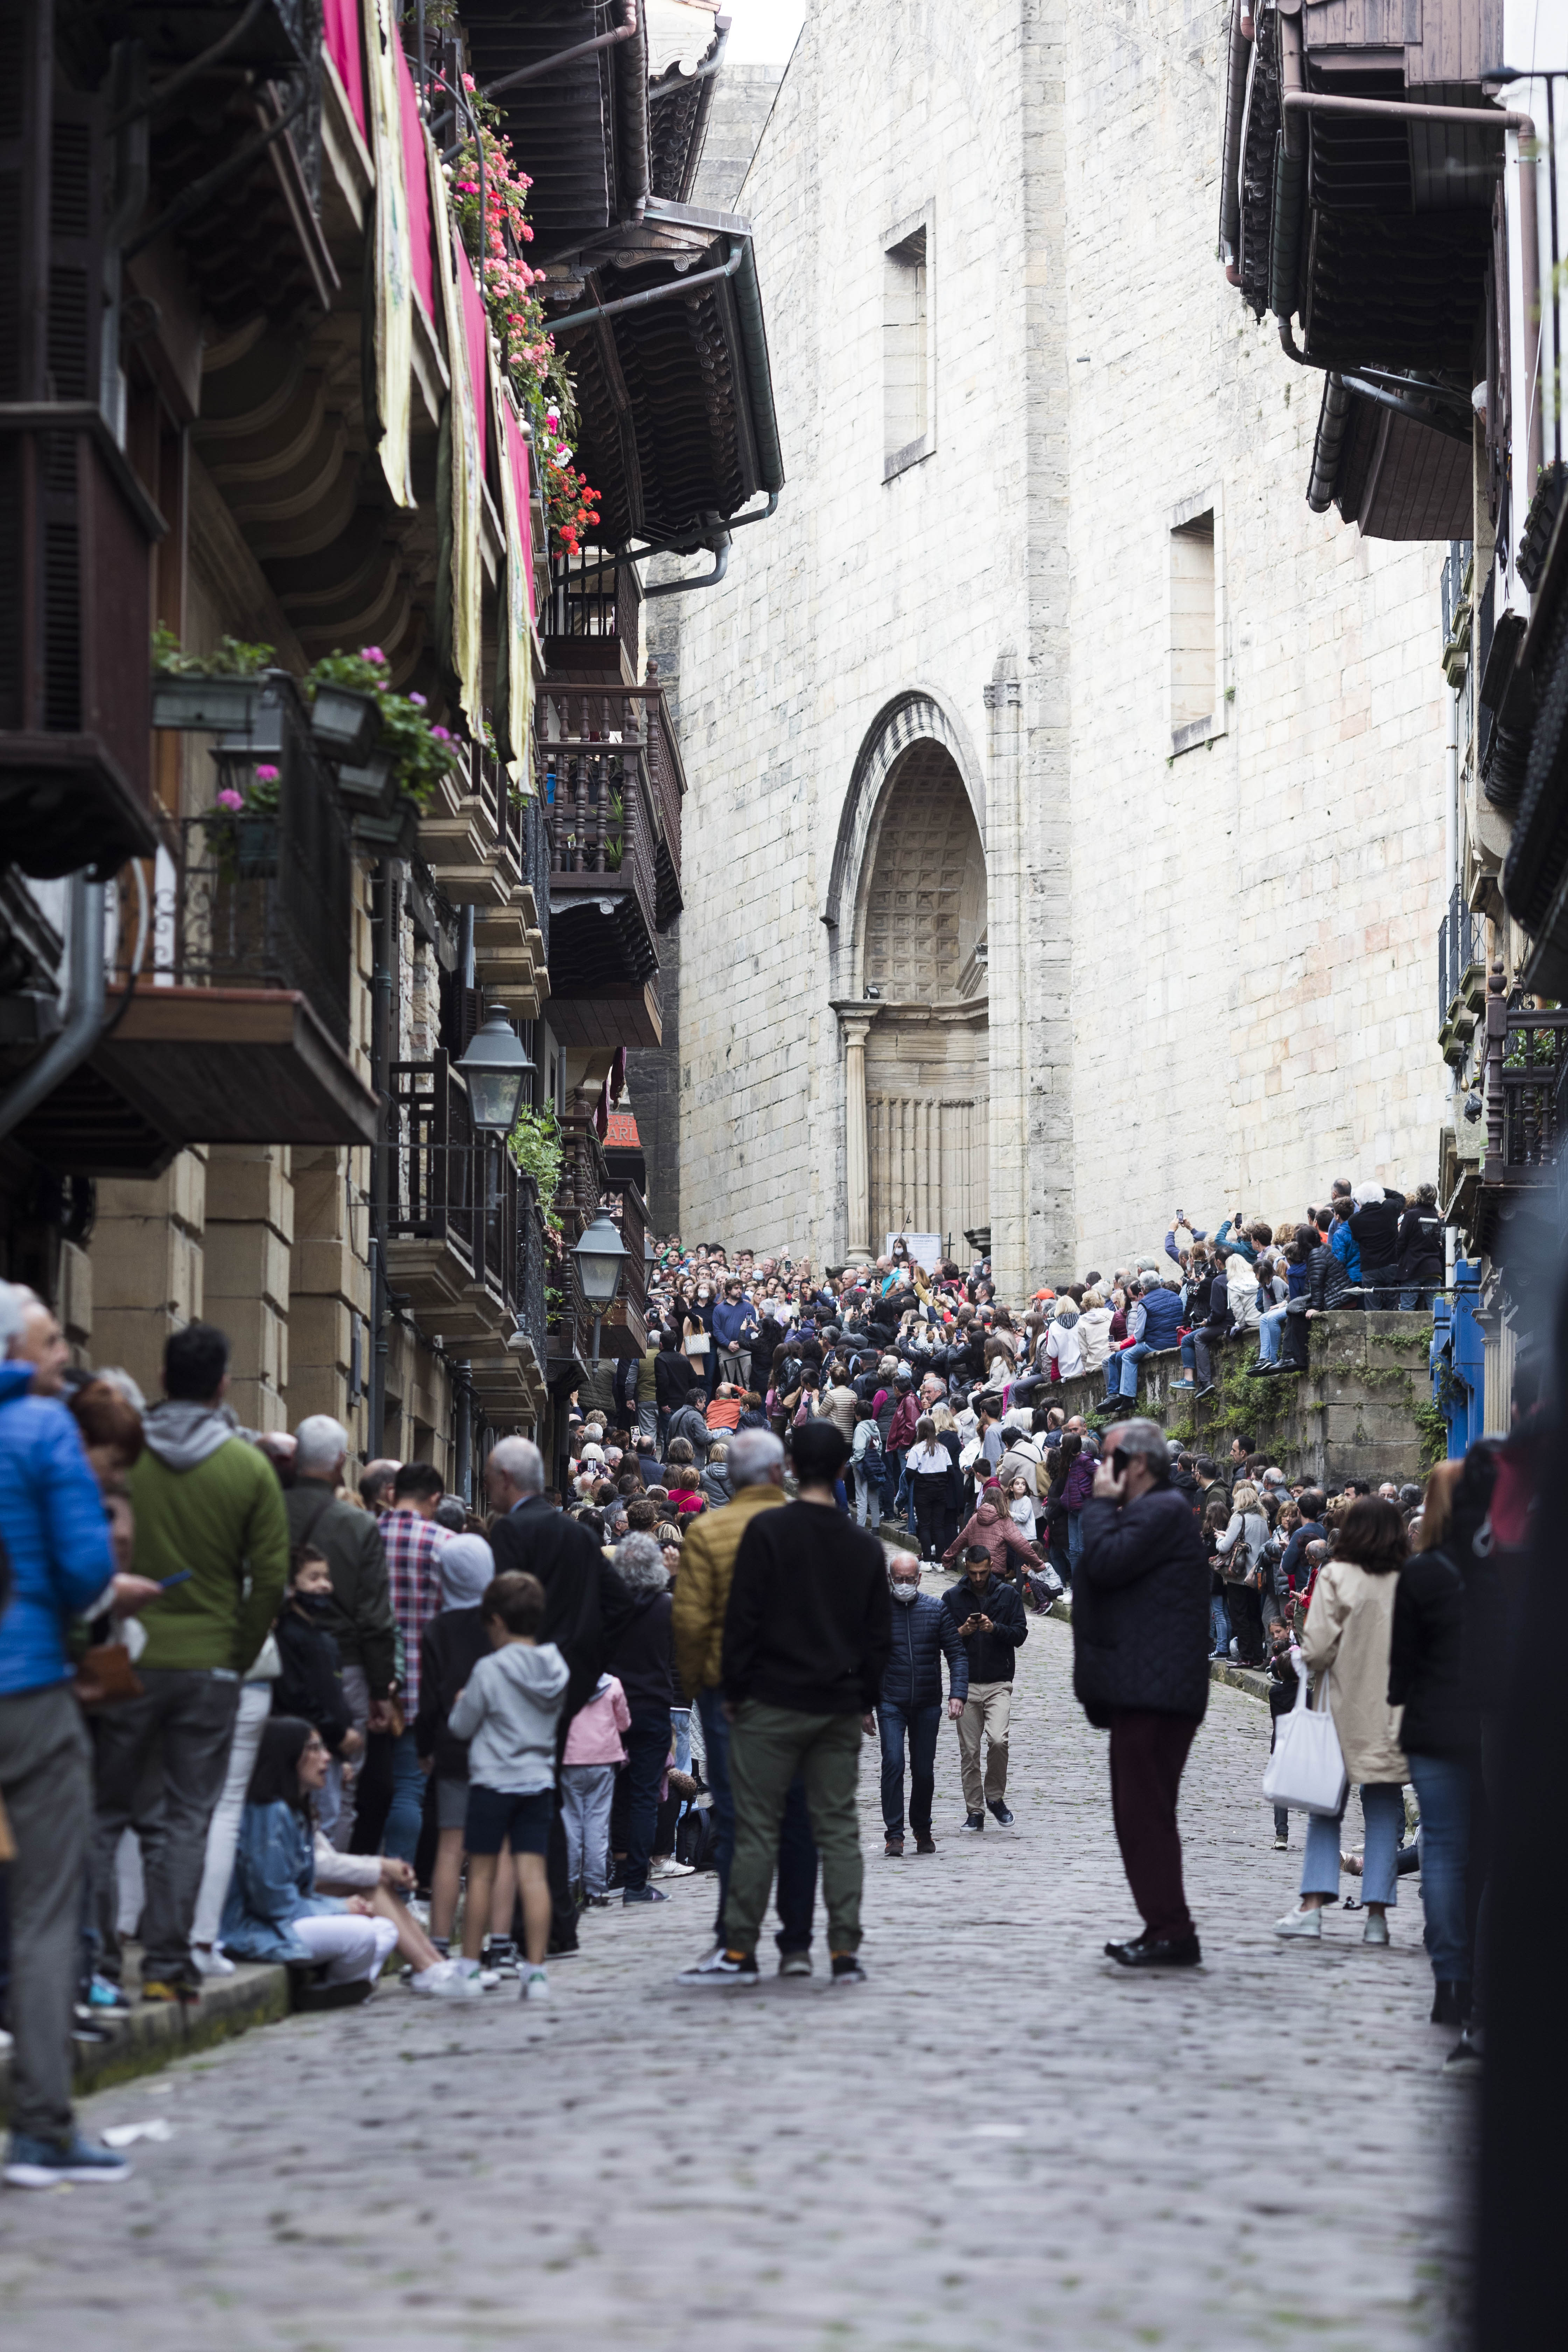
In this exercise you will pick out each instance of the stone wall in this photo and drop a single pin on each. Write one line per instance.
(1210, 969)
(1355, 1414)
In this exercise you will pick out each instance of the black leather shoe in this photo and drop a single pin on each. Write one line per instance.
(974, 1820)
(1144, 1952)
(999, 1807)
(1450, 2003)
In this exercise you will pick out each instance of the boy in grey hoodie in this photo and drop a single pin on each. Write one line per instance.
(507, 1712)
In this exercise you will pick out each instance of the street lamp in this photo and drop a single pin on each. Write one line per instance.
(599, 1257)
(495, 1067)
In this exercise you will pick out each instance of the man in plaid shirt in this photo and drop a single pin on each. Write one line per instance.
(413, 1545)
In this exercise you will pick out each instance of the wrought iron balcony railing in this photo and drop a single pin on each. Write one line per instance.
(1461, 976)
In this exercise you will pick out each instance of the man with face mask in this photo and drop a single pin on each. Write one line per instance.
(910, 1708)
(988, 1616)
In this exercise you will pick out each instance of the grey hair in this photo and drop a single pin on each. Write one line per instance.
(16, 1301)
(640, 1564)
(1145, 1437)
(319, 1444)
(752, 1454)
(519, 1459)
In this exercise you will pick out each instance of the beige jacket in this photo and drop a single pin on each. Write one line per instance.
(1347, 1628)
(702, 1587)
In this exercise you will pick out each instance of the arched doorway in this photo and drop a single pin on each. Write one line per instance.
(920, 940)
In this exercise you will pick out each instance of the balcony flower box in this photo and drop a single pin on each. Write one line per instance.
(369, 787)
(215, 705)
(344, 722)
(395, 835)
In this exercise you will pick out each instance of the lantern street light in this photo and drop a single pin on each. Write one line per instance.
(599, 1257)
(495, 1067)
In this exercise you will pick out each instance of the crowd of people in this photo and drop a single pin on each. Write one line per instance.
(255, 1709)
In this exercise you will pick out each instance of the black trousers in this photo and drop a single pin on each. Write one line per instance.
(1148, 1754)
(1247, 1622)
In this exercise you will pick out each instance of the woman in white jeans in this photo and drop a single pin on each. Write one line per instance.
(275, 1910)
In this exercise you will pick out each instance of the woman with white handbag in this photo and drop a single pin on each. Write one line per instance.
(1346, 1641)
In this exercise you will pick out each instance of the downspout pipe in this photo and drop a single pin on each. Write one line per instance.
(650, 294)
(1323, 101)
(84, 1016)
(623, 31)
(698, 579)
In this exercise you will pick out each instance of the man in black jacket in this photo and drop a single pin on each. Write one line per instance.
(585, 1608)
(806, 1634)
(1140, 1646)
(987, 1613)
(910, 1704)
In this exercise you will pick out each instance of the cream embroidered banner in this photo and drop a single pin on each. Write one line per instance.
(466, 574)
(393, 292)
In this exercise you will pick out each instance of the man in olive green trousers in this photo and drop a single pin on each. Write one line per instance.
(807, 1637)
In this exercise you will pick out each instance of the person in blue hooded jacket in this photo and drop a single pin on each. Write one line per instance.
(55, 1563)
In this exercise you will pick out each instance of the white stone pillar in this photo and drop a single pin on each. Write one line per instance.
(856, 1159)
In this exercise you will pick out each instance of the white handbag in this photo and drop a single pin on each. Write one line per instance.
(1305, 1773)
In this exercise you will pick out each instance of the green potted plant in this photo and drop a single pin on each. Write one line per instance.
(215, 693)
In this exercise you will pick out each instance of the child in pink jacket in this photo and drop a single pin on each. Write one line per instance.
(594, 1748)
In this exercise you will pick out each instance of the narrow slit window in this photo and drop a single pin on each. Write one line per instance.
(1194, 653)
(906, 418)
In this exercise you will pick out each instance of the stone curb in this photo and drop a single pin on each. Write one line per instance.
(154, 2034)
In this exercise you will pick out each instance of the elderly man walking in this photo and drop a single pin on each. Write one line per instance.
(1140, 1644)
(910, 1710)
(359, 1617)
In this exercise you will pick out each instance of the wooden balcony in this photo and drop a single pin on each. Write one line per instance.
(228, 985)
(612, 786)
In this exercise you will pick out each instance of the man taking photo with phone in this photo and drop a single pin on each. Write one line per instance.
(988, 1613)
(1140, 1644)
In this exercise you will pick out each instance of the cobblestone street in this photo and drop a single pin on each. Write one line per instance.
(1001, 2141)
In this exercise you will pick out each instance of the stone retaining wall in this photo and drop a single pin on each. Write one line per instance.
(1355, 1414)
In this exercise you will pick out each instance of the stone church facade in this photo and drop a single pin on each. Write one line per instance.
(1065, 812)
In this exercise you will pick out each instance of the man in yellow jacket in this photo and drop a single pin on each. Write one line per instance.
(701, 1597)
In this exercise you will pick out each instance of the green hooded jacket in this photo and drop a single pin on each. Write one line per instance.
(208, 1501)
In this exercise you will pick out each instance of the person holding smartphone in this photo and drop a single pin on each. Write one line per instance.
(1140, 1650)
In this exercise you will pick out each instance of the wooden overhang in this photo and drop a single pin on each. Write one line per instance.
(179, 1066)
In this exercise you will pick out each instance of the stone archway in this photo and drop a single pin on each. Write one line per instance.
(916, 1033)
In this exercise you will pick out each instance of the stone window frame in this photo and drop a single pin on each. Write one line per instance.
(923, 221)
(1188, 736)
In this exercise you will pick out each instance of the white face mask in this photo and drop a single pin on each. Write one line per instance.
(902, 1591)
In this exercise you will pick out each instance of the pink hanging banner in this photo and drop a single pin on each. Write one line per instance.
(474, 325)
(416, 181)
(341, 28)
(517, 453)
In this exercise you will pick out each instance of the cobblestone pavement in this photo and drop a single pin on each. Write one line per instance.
(1001, 2141)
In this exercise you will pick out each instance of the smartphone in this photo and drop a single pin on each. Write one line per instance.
(183, 1576)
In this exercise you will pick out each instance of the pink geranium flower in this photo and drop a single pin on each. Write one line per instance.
(268, 775)
(229, 799)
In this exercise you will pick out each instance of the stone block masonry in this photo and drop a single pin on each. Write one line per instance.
(1209, 969)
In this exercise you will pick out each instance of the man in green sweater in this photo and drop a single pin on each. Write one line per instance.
(211, 1528)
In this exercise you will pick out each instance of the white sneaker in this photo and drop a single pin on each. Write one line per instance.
(670, 1868)
(448, 1980)
(211, 1961)
(536, 1985)
(1376, 1928)
(1300, 1923)
(716, 1967)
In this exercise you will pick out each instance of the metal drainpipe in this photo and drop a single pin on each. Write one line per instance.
(383, 982)
(623, 32)
(84, 1018)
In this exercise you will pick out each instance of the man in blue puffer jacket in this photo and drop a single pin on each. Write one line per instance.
(58, 1562)
(911, 1704)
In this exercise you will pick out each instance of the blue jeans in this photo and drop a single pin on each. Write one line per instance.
(1075, 1541)
(1271, 1332)
(406, 1812)
(680, 1727)
(1383, 1810)
(796, 1888)
(1442, 1791)
(1416, 1302)
(1121, 1369)
(920, 1726)
(647, 1750)
(1219, 1620)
